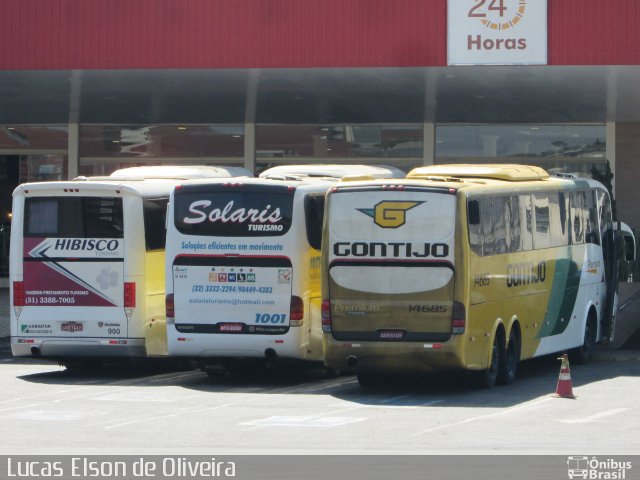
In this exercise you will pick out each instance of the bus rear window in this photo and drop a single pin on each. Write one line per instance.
(155, 213)
(80, 217)
(238, 211)
(314, 211)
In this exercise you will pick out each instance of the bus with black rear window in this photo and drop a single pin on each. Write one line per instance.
(243, 266)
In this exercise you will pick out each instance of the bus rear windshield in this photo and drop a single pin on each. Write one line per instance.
(79, 217)
(240, 211)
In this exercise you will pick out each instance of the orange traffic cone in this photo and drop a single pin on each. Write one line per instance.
(564, 388)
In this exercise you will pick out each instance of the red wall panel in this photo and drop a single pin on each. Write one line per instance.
(594, 32)
(95, 34)
(125, 34)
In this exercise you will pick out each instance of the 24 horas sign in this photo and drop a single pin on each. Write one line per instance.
(497, 32)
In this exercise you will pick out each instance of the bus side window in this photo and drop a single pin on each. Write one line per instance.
(498, 224)
(475, 227)
(314, 212)
(578, 214)
(541, 237)
(514, 239)
(526, 222)
(558, 220)
(488, 237)
(155, 212)
(591, 216)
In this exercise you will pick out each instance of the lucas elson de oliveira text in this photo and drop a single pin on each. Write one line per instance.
(170, 467)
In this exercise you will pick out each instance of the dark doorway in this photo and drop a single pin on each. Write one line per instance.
(9, 179)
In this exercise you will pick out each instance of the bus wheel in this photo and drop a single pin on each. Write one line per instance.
(510, 359)
(487, 378)
(581, 355)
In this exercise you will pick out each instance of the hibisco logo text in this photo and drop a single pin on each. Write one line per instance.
(264, 218)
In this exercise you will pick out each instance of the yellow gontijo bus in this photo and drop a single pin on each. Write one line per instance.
(465, 267)
(87, 269)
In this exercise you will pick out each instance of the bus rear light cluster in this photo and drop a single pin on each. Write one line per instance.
(326, 316)
(18, 294)
(459, 319)
(129, 298)
(170, 309)
(297, 311)
(130, 294)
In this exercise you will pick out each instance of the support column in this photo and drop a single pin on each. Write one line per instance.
(250, 121)
(610, 153)
(73, 140)
(250, 146)
(73, 147)
(429, 143)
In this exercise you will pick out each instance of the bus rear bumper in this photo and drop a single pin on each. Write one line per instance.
(86, 347)
(202, 345)
(392, 357)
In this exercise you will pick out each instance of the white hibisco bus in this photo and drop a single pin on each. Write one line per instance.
(243, 265)
(87, 264)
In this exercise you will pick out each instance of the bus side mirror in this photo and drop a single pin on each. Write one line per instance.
(473, 212)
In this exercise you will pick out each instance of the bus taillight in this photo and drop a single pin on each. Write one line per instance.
(129, 298)
(130, 294)
(297, 311)
(459, 318)
(170, 308)
(326, 316)
(18, 294)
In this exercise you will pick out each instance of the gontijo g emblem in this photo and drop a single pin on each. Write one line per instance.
(389, 213)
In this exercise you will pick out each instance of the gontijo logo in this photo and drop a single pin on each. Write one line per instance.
(389, 213)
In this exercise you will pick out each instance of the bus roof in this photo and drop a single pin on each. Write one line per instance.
(482, 180)
(106, 186)
(145, 181)
(507, 172)
(297, 181)
(178, 172)
(333, 171)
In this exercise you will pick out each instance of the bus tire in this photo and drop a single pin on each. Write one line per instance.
(509, 360)
(582, 354)
(488, 377)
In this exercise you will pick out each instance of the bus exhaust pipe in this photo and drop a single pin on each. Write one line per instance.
(352, 361)
(271, 355)
(35, 351)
